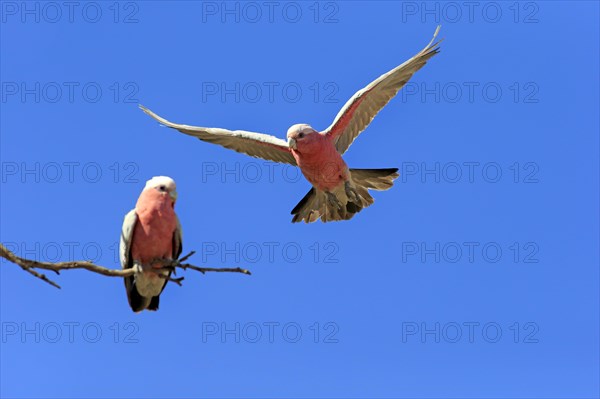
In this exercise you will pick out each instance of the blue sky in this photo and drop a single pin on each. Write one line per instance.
(476, 275)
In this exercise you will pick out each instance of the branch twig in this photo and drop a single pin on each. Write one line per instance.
(29, 265)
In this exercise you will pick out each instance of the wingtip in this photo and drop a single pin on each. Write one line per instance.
(435, 35)
(159, 119)
(433, 46)
(146, 110)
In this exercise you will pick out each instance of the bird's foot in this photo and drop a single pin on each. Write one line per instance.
(332, 200)
(159, 266)
(138, 268)
(351, 193)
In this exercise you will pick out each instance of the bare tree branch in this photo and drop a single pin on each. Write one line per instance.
(203, 270)
(29, 265)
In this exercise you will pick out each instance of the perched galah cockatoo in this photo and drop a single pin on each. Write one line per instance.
(150, 236)
(338, 193)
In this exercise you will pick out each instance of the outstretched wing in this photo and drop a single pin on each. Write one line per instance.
(360, 110)
(256, 145)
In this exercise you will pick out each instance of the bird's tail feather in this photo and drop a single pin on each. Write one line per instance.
(154, 303)
(319, 204)
(136, 301)
(374, 179)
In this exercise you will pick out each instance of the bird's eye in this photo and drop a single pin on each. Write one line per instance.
(300, 135)
(162, 188)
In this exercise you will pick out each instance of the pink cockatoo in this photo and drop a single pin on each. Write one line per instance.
(337, 192)
(150, 236)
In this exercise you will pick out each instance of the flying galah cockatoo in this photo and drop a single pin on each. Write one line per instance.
(150, 236)
(337, 192)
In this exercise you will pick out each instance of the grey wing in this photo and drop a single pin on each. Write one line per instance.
(126, 236)
(136, 302)
(177, 241)
(360, 110)
(257, 145)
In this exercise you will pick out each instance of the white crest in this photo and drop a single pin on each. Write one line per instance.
(300, 128)
(158, 181)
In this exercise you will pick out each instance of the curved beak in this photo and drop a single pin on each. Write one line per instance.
(173, 195)
(292, 143)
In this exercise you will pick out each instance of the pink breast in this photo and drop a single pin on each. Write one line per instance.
(153, 234)
(325, 169)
